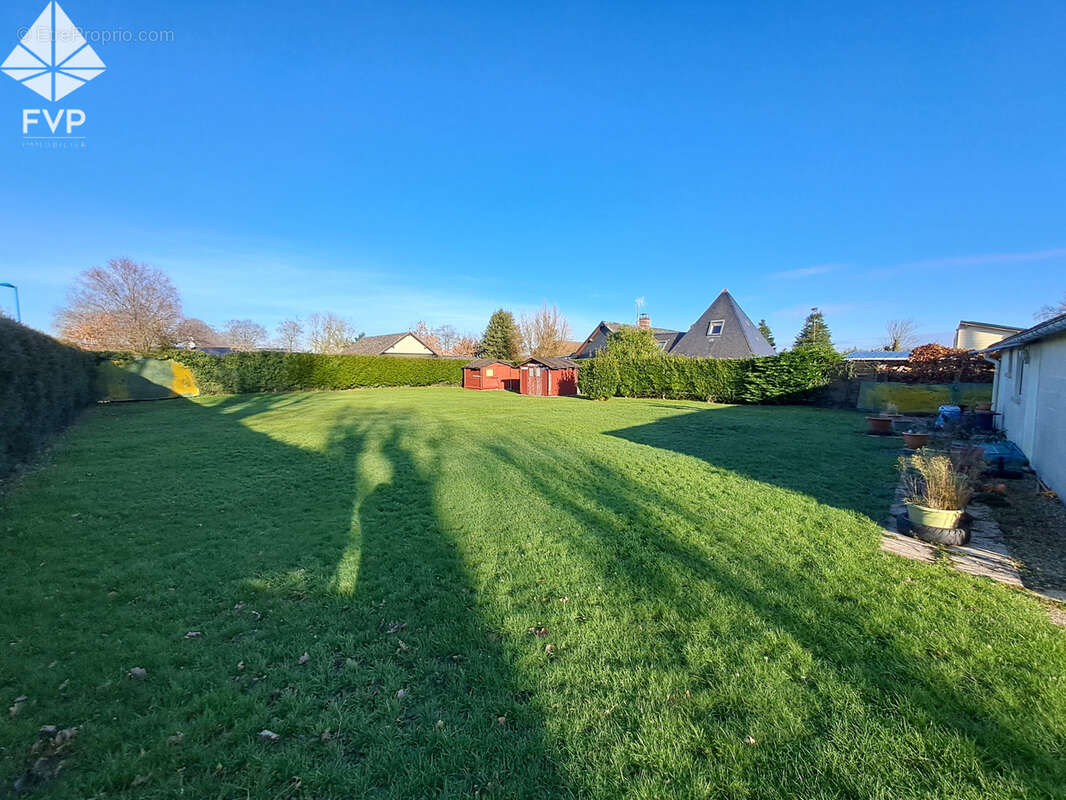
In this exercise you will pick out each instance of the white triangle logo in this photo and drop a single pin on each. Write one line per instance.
(53, 58)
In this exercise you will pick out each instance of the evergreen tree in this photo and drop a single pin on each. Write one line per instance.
(815, 334)
(764, 329)
(502, 339)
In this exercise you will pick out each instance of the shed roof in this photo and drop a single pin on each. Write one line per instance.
(552, 362)
(1048, 327)
(478, 363)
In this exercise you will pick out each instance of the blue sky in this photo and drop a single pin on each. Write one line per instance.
(403, 161)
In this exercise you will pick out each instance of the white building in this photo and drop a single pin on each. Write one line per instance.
(1030, 395)
(979, 335)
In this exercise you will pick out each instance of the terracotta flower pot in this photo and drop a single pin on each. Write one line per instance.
(914, 441)
(933, 517)
(879, 426)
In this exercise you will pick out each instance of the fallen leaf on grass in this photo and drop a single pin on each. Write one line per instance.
(138, 673)
(268, 736)
(750, 740)
(540, 632)
(177, 738)
(304, 659)
(194, 634)
(396, 627)
(549, 649)
(400, 695)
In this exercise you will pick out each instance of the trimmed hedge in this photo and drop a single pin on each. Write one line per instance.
(788, 377)
(43, 385)
(243, 373)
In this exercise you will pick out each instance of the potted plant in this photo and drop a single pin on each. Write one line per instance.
(879, 426)
(937, 488)
(913, 440)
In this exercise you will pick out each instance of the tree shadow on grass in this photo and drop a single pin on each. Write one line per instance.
(192, 521)
(809, 450)
(884, 697)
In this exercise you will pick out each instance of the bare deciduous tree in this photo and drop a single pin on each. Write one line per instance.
(330, 333)
(1050, 311)
(289, 333)
(902, 334)
(244, 335)
(447, 336)
(197, 333)
(428, 336)
(123, 306)
(544, 331)
(466, 345)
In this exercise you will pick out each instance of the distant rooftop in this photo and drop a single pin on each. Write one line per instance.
(992, 325)
(878, 355)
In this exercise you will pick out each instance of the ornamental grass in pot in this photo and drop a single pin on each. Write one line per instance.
(937, 487)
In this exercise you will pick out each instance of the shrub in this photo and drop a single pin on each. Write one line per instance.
(43, 385)
(789, 377)
(242, 373)
(937, 480)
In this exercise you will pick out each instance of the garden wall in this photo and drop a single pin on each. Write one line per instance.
(240, 373)
(918, 398)
(43, 385)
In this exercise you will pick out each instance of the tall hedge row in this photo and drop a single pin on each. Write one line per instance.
(43, 385)
(788, 377)
(240, 373)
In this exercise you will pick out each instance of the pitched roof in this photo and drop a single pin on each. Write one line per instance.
(739, 337)
(992, 325)
(478, 363)
(377, 345)
(1048, 327)
(614, 326)
(552, 362)
(878, 355)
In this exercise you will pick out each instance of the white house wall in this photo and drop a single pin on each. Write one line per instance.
(1035, 420)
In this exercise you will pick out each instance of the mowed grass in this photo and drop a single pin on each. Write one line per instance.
(503, 596)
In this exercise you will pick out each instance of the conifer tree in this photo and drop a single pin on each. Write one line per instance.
(764, 329)
(502, 339)
(815, 334)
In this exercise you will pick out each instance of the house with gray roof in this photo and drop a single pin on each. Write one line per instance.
(722, 331)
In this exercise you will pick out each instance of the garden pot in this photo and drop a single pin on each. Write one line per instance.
(879, 426)
(914, 441)
(933, 517)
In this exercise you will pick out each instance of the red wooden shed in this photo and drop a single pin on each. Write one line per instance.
(548, 376)
(487, 374)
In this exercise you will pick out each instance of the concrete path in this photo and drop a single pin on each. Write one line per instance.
(986, 554)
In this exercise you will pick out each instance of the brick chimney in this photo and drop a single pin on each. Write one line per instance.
(644, 322)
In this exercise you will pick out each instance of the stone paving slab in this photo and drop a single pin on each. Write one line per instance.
(986, 554)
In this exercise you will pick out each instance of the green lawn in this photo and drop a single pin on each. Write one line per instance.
(626, 599)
